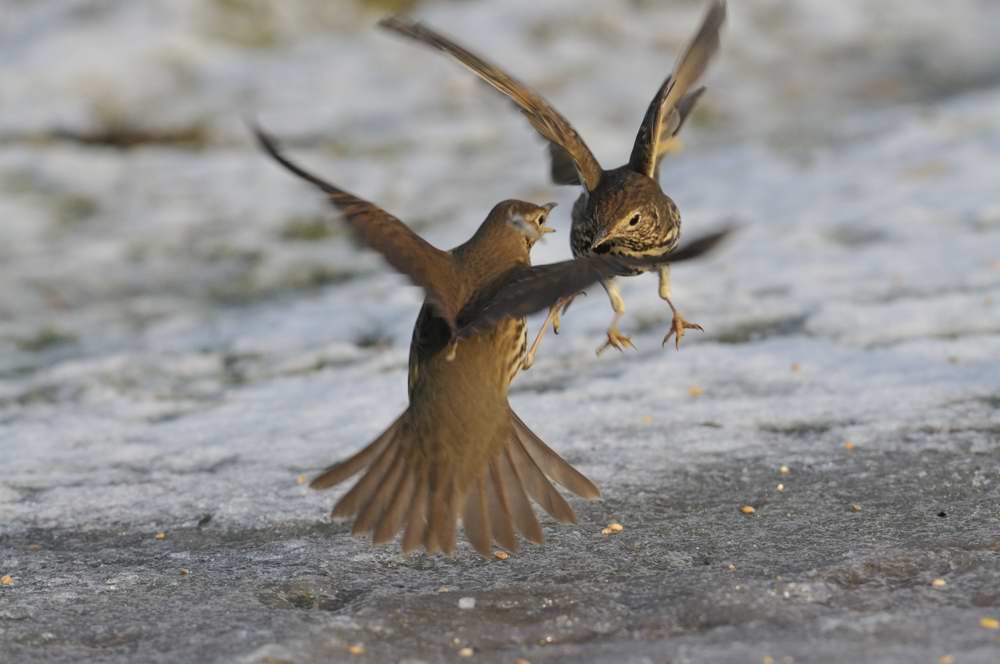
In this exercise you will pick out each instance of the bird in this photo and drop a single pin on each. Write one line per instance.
(622, 211)
(459, 450)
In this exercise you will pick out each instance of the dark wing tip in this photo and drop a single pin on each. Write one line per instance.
(701, 245)
(401, 25)
(270, 145)
(716, 15)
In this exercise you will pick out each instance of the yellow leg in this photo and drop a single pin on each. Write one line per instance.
(677, 325)
(615, 338)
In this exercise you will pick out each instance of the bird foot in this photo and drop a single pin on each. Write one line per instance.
(617, 340)
(556, 315)
(677, 327)
(561, 309)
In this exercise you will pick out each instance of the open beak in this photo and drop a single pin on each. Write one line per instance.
(542, 228)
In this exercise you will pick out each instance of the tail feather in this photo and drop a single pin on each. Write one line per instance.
(537, 485)
(392, 519)
(443, 516)
(361, 492)
(430, 537)
(402, 488)
(501, 520)
(476, 520)
(520, 506)
(552, 464)
(339, 472)
(416, 520)
(371, 513)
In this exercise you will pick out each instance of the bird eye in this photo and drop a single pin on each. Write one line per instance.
(633, 221)
(541, 220)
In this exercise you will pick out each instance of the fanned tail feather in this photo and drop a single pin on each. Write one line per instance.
(400, 490)
(551, 463)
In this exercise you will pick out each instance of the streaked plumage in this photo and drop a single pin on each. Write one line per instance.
(622, 211)
(458, 450)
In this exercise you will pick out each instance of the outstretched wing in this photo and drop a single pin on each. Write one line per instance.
(529, 289)
(425, 265)
(672, 126)
(566, 146)
(672, 102)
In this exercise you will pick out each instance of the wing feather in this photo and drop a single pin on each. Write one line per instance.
(564, 139)
(424, 264)
(528, 289)
(673, 93)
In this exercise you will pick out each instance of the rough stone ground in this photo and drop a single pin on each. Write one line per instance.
(184, 333)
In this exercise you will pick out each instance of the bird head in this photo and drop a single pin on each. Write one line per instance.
(529, 220)
(629, 213)
(506, 236)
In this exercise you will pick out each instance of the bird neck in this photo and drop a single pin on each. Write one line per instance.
(493, 251)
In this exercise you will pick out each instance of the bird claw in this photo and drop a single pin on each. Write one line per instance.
(677, 327)
(560, 310)
(617, 340)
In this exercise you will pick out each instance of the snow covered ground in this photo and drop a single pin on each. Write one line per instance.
(184, 331)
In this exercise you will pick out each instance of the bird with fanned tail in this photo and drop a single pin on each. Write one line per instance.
(459, 451)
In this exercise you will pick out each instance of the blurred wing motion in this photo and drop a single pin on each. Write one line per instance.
(425, 265)
(672, 102)
(530, 289)
(572, 160)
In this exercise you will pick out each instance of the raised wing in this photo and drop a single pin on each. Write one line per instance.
(671, 96)
(529, 289)
(425, 265)
(566, 145)
(672, 125)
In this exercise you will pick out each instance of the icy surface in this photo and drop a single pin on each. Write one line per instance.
(185, 333)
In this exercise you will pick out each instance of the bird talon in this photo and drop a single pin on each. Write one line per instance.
(616, 340)
(677, 327)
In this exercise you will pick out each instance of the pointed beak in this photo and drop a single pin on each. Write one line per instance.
(542, 228)
(601, 238)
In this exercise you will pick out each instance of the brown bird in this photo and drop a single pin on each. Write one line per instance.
(623, 211)
(459, 450)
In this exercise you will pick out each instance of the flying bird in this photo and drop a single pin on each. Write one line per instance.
(622, 211)
(459, 451)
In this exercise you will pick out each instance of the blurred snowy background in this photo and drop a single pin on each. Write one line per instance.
(184, 329)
